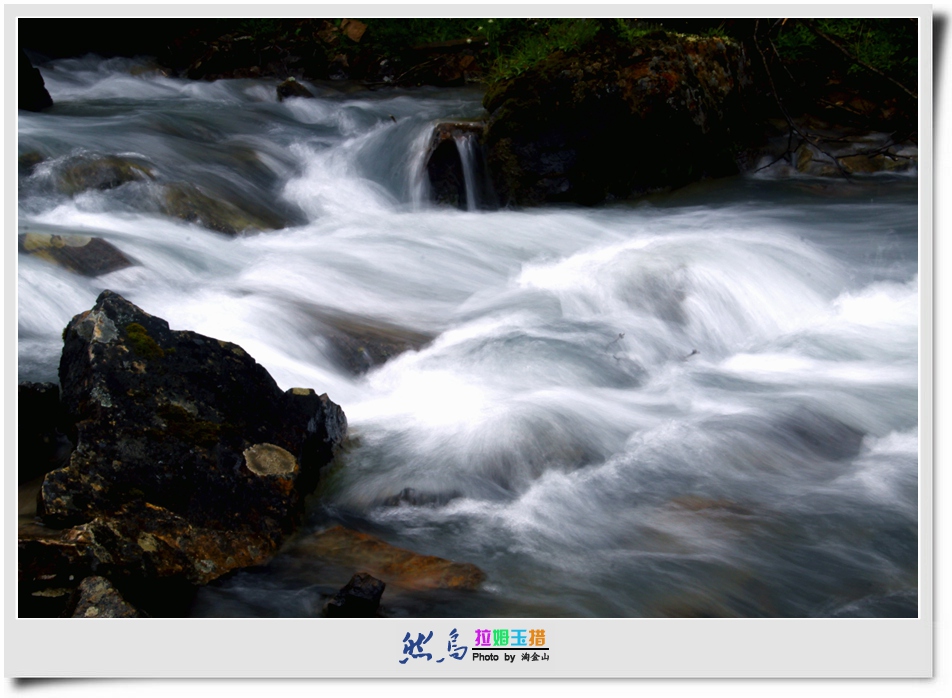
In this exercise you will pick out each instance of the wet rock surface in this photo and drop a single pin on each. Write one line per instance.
(620, 120)
(395, 566)
(292, 88)
(839, 152)
(85, 172)
(360, 598)
(359, 344)
(189, 203)
(81, 254)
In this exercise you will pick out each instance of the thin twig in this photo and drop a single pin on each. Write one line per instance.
(790, 123)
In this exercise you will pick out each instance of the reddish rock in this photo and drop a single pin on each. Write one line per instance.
(395, 566)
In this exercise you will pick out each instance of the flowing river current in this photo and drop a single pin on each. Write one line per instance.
(701, 404)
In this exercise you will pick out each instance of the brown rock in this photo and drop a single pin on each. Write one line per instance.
(396, 566)
(77, 253)
(146, 541)
(292, 88)
(98, 598)
(353, 29)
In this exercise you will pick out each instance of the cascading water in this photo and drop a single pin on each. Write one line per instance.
(701, 404)
(466, 145)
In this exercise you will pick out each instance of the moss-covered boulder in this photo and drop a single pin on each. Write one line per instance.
(619, 119)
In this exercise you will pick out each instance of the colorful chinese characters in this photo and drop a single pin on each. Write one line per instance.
(504, 637)
(489, 640)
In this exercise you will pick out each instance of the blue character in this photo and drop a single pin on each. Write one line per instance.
(410, 645)
(456, 651)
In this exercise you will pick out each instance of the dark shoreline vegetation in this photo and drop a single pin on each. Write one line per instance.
(165, 460)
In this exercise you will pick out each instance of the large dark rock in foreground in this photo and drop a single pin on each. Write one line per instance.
(32, 93)
(618, 120)
(189, 461)
(182, 421)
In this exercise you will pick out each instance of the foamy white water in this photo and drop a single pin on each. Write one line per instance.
(701, 404)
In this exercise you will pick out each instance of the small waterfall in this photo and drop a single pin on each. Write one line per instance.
(466, 146)
(456, 168)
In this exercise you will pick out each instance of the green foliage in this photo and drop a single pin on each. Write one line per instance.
(889, 45)
(518, 48)
(258, 28)
(390, 37)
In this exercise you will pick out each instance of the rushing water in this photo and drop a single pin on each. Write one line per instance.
(699, 404)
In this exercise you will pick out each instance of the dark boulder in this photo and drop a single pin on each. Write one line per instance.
(32, 93)
(360, 598)
(184, 422)
(189, 462)
(42, 429)
(77, 253)
(618, 120)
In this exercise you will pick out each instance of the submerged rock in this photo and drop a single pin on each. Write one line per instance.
(191, 204)
(358, 344)
(292, 88)
(86, 172)
(860, 156)
(396, 566)
(360, 598)
(81, 254)
(614, 120)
